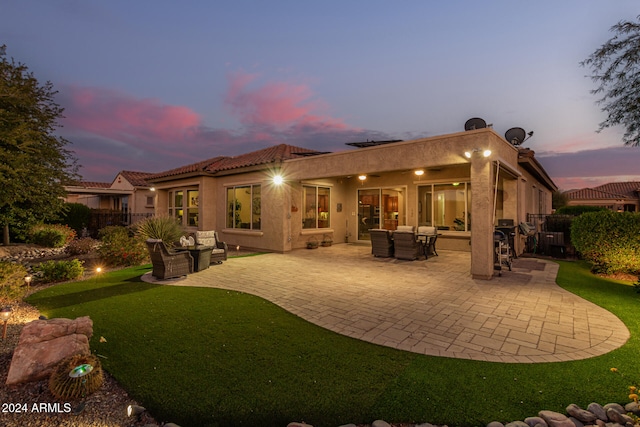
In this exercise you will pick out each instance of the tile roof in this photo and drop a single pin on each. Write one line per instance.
(137, 179)
(222, 163)
(613, 190)
(91, 184)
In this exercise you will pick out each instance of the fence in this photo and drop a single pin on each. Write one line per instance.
(103, 218)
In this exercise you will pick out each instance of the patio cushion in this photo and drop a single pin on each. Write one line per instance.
(424, 229)
(206, 238)
(410, 228)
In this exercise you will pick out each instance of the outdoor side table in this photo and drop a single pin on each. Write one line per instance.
(201, 257)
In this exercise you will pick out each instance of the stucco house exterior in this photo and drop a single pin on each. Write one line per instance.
(129, 192)
(280, 197)
(615, 196)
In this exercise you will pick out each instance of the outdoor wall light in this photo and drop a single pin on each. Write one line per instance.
(419, 172)
(362, 177)
(152, 189)
(135, 411)
(278, 180)
(5, 314)
(485, 153)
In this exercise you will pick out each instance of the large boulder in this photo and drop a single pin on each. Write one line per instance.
(44, 343)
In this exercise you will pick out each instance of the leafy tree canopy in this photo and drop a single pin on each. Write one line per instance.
(616, 69)
(34, 164)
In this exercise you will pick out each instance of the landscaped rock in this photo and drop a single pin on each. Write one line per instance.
(576, 422)
(44, 343)
(615, 406)
(517, 424)
(555, 419)
(598, 411)
(580, 414)
(619, 418)
(632, 407)
(380, 423)
(534, 421)
(294, 424)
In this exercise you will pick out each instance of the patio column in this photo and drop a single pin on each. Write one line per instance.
(482, 217)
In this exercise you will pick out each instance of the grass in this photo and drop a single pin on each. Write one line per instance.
(210, 357)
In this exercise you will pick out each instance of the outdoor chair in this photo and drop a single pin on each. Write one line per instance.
(381, 243)
(406, 245)
(210, 238)
(168, 264)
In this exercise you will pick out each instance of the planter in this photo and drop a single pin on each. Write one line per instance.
(325, 244)
(312, 243)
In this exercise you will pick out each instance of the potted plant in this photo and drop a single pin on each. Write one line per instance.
(312, 243)
(326, 240)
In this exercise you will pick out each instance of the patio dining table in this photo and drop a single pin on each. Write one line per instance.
(428, 242)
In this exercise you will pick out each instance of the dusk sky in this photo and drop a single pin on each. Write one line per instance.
(150, 85)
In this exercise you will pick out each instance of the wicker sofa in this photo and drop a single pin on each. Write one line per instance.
(210, 238)
(168, 264)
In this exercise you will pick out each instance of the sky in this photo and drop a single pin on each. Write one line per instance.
(150, 85)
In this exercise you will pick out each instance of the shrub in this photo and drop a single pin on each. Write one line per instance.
(165, 228)
(82, 246)
(51, 235)
(76, 216)
(610, 240)
(11, 280)
(57, 271)
(119, 248)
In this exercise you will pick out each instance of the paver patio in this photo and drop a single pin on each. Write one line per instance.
(429, 306)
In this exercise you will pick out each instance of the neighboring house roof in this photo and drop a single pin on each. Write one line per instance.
(137, 179)
(214, 165)
(613, 190)
(91, 184)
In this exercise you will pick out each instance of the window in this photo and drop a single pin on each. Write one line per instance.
(445, 206)
(244, 207)
(183, 205)
(316, 202)
(149, 201)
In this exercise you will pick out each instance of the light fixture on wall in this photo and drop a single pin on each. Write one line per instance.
(278, 180)
(485, 153)
(419, 172)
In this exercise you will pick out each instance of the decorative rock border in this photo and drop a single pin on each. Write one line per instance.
(609, 415)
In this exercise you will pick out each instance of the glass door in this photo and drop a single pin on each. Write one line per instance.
(368, 212)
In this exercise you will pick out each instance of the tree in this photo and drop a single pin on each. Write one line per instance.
(616, 69)
(34, 164)
(559, 199)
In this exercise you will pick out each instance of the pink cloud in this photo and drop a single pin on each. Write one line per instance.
(280, 105)
(119, 116)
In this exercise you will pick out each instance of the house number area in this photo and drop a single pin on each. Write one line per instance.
(38, 407)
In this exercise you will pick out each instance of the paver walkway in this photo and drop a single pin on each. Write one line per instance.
(429, 306)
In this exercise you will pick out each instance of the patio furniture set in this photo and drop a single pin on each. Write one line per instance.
(404, 243)
(178, 262)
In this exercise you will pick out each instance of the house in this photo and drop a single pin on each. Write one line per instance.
(280, 197)
(129, 193)
(616, 196)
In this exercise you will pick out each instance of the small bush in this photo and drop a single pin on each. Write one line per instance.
(82, 246)
(11, 280)
(165, 228)
(609, 240)
(51, 235)
(119, 248)
(57, 271)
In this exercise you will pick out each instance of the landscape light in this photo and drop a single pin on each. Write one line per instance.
(5, 314)
(135, 411)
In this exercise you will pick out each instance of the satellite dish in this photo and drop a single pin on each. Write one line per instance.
(475, 123)
(515, 136)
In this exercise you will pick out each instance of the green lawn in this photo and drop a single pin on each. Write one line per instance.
(209, 357)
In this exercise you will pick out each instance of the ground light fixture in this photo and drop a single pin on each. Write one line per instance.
(5, 314)
(27, 281)
(485, 153)
(135, 411)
